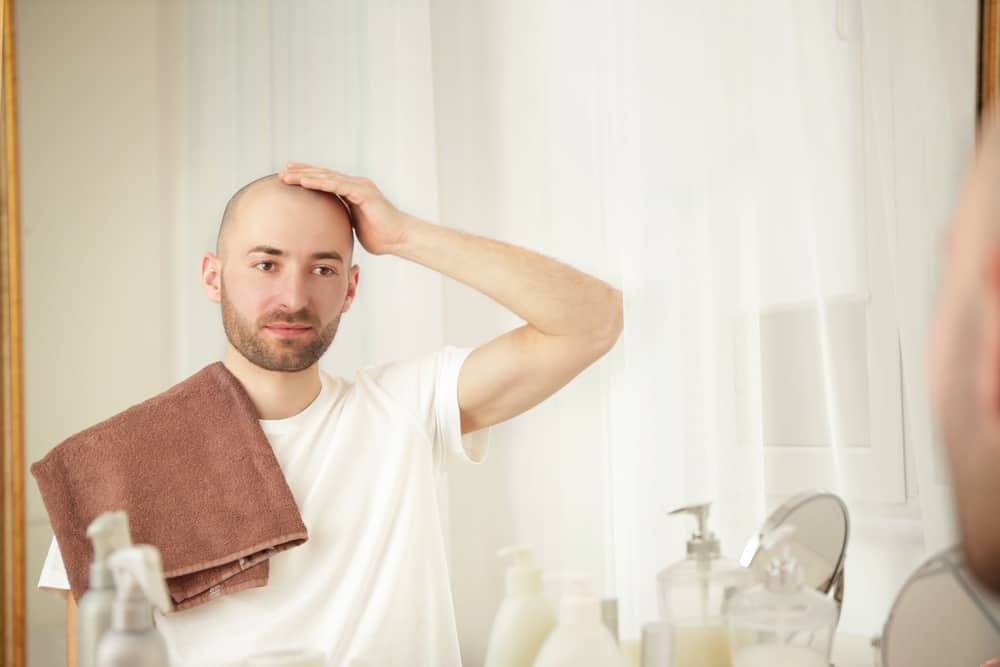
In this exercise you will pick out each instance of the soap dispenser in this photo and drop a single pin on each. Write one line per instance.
(693, 595)
(108, 532)
(525, 618)
(580, 638)
(133, 641)
(781, 622)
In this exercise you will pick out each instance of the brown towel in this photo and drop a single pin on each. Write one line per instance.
(198, 479)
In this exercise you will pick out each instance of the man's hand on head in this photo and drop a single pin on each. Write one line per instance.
(380, 226)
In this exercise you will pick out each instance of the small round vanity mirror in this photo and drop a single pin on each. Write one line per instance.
(942, 617)
(819, 542)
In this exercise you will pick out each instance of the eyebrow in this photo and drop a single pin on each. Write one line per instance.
(269, 250)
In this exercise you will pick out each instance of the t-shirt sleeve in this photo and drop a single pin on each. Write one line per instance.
(427, 387)
(53, 571)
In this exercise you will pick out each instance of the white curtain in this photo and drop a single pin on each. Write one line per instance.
(921, 87)
(346, 85)
(745, 171)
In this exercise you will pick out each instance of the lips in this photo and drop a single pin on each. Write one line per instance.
(288, 329)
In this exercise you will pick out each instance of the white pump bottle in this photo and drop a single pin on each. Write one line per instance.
(525, 617)
(580, 639)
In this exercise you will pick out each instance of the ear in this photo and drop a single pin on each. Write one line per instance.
(211, 277)
(353, 277)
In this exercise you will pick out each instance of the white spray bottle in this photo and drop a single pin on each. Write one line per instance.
(133, 641)
(525, 618)
(108, 532)
(580, 639)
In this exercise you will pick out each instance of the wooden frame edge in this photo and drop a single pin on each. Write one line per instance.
(989, 57)
(12, 432)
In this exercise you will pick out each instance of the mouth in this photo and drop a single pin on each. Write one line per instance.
(288, 330)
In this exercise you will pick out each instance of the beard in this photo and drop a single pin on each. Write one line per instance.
(285, 355)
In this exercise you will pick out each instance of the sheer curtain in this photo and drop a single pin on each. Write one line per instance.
(741, 171)
(764, 180)
(754, 342)
(801, 161)
(346, 85)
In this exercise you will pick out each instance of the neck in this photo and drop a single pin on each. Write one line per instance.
(275, 394)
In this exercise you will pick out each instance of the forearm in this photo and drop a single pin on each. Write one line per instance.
(554, 298)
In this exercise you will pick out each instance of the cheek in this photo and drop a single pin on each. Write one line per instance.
(937, 344)
(986, 349)
(941, 343)
(246, 298)
(329, 301)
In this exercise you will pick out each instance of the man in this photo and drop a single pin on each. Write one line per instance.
(965, 360)
(360, 456)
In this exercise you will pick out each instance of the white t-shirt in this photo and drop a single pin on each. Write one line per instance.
(371, 582)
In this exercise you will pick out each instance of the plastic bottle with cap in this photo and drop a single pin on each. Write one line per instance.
(781, 622)
(525, 618)
(693, 595)
(108, 532)
(580, 638)
(133, 640)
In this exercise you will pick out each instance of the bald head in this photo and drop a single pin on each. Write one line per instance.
(265, 191)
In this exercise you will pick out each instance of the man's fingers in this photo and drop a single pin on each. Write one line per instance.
(300, 168)
(324, 173)
(324, 179)
(344, 186)
(314, 175)
(305, 169)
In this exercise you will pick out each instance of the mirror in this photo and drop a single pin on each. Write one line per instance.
(942, 617)
(819, 544)
(153, 112)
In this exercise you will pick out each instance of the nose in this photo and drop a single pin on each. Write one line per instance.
(291, 293)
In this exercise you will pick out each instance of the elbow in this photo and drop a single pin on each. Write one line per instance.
(613, 322)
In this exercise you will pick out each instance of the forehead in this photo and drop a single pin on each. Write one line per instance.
(290, 217)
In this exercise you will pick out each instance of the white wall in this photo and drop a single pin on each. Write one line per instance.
(94, 260)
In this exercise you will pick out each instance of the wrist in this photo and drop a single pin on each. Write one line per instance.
(410, 231)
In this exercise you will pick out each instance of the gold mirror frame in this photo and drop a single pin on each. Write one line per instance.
(12, 556)
(12, 601)
(989, 57)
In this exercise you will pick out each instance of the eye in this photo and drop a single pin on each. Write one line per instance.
(324, 271)
(264, 266)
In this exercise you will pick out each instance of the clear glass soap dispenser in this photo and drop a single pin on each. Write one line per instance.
(693, 595)
(781, 622)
